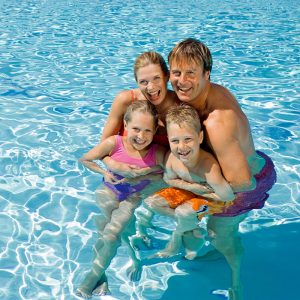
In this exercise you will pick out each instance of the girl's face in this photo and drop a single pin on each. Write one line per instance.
(140, 130)
(153, 83)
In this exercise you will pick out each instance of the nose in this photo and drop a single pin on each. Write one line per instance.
(141, 135)
(181, 145)
(150, 85)
(182, 77)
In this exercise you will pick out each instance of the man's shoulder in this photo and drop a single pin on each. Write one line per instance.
(220, 117)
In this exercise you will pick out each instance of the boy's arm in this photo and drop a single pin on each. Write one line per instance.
(172, 179)
(222, 189)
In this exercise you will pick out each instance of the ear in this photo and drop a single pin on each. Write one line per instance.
(207, 75)
(125, 124)
(201, 136)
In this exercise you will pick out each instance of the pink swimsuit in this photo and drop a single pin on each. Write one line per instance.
(123, 190)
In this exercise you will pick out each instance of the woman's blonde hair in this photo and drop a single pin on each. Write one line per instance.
(149, 58)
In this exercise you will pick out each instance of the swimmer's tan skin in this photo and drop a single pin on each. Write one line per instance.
(188, 167)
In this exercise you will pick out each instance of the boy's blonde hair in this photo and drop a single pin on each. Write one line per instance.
(143, 106)
(183, 114)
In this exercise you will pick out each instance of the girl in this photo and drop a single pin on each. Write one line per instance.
(120, 196)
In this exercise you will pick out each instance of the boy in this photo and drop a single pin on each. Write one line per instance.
(188, 167)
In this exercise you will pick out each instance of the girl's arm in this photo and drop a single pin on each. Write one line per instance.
(113, 126)
(97, 153)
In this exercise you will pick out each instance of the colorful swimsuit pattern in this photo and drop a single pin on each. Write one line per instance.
(203, 206)
(244, 201)
(123, 190)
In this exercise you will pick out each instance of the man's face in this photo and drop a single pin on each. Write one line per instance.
(188, 80)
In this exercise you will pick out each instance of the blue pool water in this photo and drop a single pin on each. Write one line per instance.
(61, 64)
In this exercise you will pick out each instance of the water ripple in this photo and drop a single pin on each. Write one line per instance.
(62, 63)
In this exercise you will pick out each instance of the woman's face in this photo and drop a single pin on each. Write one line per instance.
(153, 83)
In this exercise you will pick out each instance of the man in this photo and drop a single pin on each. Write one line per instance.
(227, 134)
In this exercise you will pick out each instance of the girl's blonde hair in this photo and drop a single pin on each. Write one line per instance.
(143, 106)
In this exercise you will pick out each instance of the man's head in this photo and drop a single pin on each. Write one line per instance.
(184, 132)
(190, 64)
(191, 51)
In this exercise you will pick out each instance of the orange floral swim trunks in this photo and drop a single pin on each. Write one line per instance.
(202, 206)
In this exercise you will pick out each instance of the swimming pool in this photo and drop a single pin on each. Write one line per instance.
(62, 63)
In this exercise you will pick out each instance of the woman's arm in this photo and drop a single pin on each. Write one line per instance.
(114, 121)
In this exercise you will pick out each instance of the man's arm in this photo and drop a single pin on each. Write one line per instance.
(233, 162)
(214, 177)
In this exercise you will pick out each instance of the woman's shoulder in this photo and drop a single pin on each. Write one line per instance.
(128, 96)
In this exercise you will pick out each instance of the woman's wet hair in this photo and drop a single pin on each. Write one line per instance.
(150, 58)
(191, 51)
(183, 114)
(143, 106)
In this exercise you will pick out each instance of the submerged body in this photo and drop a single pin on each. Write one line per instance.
(119, 198)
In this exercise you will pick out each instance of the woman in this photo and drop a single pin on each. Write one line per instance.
(151, 74)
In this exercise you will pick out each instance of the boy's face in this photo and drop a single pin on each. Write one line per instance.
(184, 142)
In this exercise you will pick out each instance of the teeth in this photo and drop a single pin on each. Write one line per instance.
(184, 153)
(140, 142)
(184, 89)
(153, 93)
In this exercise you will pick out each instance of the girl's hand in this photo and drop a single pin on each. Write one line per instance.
(108, 177)
(125, 170)
(147, 170)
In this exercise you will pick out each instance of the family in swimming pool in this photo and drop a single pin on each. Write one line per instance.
(225, 168)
